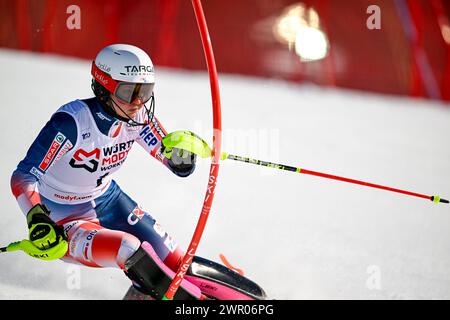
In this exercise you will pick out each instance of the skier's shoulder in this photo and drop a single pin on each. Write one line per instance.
(65, 119)
(75, 113)
(73, 107)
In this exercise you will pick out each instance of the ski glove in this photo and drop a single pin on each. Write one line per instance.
(44, 233)
(181, 162)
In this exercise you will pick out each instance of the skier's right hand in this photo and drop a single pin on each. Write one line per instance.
(44, 233)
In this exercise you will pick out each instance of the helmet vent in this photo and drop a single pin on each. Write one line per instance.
(117, 53)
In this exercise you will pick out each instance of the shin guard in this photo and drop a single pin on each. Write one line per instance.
(146, 269)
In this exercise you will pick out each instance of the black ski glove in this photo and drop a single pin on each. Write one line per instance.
(181, 162)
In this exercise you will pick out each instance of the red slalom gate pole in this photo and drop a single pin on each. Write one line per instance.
(217, 138)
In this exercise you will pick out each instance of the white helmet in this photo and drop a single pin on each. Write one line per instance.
(125, 71)
(118, 64)
(127, 63)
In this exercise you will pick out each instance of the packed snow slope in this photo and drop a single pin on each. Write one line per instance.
(298, 236)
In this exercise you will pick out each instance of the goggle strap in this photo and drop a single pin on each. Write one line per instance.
(103, 78)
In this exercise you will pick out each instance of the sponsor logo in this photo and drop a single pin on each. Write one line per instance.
(75, 239)
(66, 147)
(91, 235)
(60, 137)
(185, 266)
(136, 215)
(157, 127)
(101, 78)
(88, 243)
(104, 67)
(211, 189)
(86, 160)
(115, 155)
(36, 173)
(102, 116)
(139, 69)
(86, 135)
(52, 151)
(117, 148)
(68, 197)
(207, 286)
(68, 227)
(107, 158)
(148, 137)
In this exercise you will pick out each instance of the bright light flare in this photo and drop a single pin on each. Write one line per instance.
(299, 28)
(311, 44)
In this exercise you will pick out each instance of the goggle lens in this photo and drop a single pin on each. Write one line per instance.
(128, 92)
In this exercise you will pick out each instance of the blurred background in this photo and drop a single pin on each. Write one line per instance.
(399, 47)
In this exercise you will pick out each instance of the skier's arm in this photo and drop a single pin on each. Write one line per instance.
(181, 163)
(57, 137)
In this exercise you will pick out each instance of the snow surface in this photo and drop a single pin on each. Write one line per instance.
(298, 236)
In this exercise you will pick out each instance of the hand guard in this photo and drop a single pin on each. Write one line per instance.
(45, 234)
(181, 162)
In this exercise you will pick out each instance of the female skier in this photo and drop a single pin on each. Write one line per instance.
(75, 210)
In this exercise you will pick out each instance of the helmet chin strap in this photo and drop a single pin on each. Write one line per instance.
(149, 111)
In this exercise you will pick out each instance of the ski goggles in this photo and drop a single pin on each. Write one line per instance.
(125, 91)
(129, 92)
